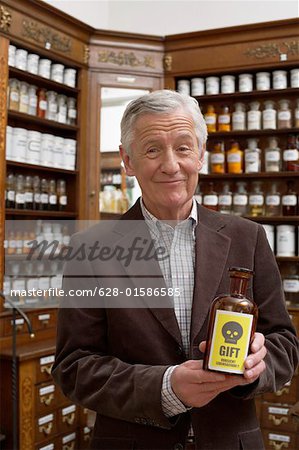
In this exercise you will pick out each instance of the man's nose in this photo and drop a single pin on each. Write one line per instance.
(170, 163)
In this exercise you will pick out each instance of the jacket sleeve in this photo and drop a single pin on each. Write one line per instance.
(86, 372)
(273, 322)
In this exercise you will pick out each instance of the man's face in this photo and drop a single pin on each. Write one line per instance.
(165, 159)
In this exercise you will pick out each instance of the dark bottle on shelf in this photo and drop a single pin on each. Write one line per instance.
(210, 198)
(291, 155)
(36, 193)
(232, 324)
(44, 197)
(20, 193)
(225, 199)
(61, 194)
(28, 193)
(10, 194)
(289, 200)
(273, 201)
(52, 196)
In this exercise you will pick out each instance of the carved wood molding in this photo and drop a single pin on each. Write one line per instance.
(122, 58)
(273, 49)
(5, 19)
(27, 431)
(45, 36)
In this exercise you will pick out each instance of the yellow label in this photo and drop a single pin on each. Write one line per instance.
(230, 341)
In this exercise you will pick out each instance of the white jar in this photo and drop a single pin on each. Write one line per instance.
(8, 146)
(269, 115)
(280, 79)
(239, 117)
(295, 78)
(58, 151)
(61, 108)
(12, 55)
(69, 77)
(245, 82)
(184, 87)
(70, 154)
(197, 86)
(228, 84)
(269, 229)
(285, 240)
(263, 81)
(19, 144)
(32, 63)
(212, 85)
(57, 73)
(47, 145)
(254, 116)
(32, 107)
(21, 59)
(44, 68)
(33, 147)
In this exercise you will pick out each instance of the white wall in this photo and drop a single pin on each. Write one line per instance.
(172, 17)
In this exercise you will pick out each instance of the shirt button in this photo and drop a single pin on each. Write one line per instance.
(178, 446)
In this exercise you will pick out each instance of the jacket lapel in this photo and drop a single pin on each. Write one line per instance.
(212, 250)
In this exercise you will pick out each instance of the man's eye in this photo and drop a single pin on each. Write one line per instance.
(152, 151)
(183, 148)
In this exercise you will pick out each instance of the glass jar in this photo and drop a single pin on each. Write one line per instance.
(280, 79)
(225, 199)
(224, 119)
(41, 103)
(32, 107)
(14, 95)
(184, 87)
(212, 85)
(291, 289)
(61, 109)
(240, 199)
(32, 63)
(252, 156)
(285, 240)
(69, 77)
(272, 156)
(239, 117)
(245, 82)
(57, 73)
(254, 116)
(69, 161)
(217, 158)
(269, 115)
(33, 150)
(291, 155)
(228, 84)
(19, 144)
(47, 145)
(51, 113)
(211, 119)
(44, 68)
(289, 200)
(295, 78)
(58, 149)
(197, 86)
(21, 59)
(273, 201)
(24, 98)
(210, 198)
(71, 111)
(263, 82)
(284, 114)
(12, 55)
(256, 200)
(234, 157)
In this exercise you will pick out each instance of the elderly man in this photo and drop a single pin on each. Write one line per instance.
(140, 367)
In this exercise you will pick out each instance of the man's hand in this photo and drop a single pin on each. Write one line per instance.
(196, 387)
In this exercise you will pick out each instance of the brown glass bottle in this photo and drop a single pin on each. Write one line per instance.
(232, 324)
(289, 200)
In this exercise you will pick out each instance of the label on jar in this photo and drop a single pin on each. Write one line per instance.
(28, 197)
(217, 158)
(53, 199)
(14, 96)
(63, 200)
(256, 199)
(254, 118)
(284, 115)
(238, 118)
(290, 285)
(240, 200)
(291, 154)
(37, 197)
(224, 118)
(44, 198)
(225, 200)
(273, 156)
(72, 113)
(43, 105)
(20, 198)
(210, 200)
(289, 200)
(230, 341)
(273, 200)
(11, 196)
(210, 120)
(234, 157)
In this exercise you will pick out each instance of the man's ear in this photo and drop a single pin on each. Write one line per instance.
(201, 158)
(127, 162)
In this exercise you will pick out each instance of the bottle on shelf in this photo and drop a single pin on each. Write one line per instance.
(272, 156)
(52, 195)
(273, 201)
(289, 200)
(61, 194)
(240, 199)
(225, 199)
(44, 197)
(41, 103)
(284, 116)
(254, 116)
(20, 192)
(269, 115)
(256, 200)
(224, 119)
(24, 98)
(239, 117)
(52, 105)
(211, 119)
(217, 158)
(291, 286)
(252, 156)
(296, 114)
(232, 323)
(291, 155)
(36, 193)
(210, 198)
(10, 191)
(14, 95)
(32, 106)
(28, 192)
(234, 158)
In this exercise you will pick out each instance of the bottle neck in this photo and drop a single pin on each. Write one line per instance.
(238, 285)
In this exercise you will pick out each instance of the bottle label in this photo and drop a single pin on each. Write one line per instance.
(291, 155)
(234, 157)
(217, 158)
(230, 341)
(210, 200)
(290, 285)
(289, 200)
(273, 156)
(273, 200)
(210, 120)
(225, 200)
(63, 200)
(284, 115)
(223, 118)
(240, 200)
(256, 199)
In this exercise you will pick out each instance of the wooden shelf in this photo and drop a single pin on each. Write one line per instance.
(287, 258)
(45, 123)
(42, 82)
(28, 212)
(274, 219)
(255, 133)
(35, 167)
(228, 176)
(109, 216)
(248, 95)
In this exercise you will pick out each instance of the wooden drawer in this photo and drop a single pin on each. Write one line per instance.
(288, 394)
(45, 426)
(44, 320)
(51, 444)
(69, 441)
(85, 438)
(276, 416)
(274, 440)
(68, 418)
(21, 326)
(43, 368)
(47, 398)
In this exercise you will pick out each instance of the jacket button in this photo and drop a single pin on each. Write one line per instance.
(180, 352)
(178, 446)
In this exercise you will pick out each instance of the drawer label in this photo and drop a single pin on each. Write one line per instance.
(44, 317)
(68, 410)
(47, 447)
(18, 322)
(46, 419)
(68, 438)
(279, 437)
(274, 410)
(47, 390)
(46, 360)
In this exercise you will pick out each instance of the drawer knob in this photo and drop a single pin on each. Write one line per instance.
(69, 419)
(278, 445)
(46, 368)
(284, 390)
(70, 446)
(46, 429)
(277, 420)
(47, 399)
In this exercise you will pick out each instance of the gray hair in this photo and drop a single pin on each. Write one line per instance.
(161, 102)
